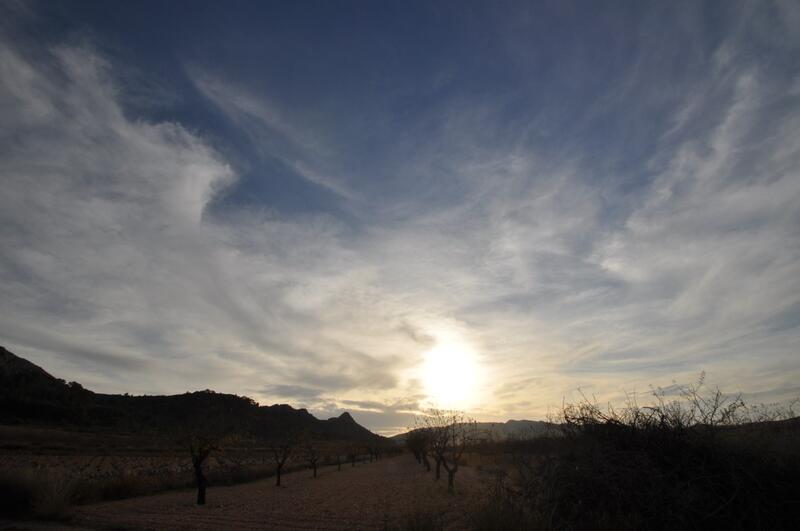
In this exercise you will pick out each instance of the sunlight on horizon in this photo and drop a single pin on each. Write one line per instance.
(451, 374)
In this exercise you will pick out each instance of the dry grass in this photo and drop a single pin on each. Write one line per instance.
(36, 495)
(392, 493)
(47, 486)
(44, 476)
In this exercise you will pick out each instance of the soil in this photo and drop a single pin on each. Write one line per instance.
(385, 494)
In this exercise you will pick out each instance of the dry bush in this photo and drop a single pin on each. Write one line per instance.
(424, 519)
(46, 486)
(698, 461)
(501, 511)
(240, 474)
(25, 494)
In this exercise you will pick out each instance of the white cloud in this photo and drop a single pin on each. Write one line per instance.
(272, 132)
(109, 263)
(113, 272)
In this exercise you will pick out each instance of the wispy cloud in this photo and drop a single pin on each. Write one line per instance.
(643, 233)
(110, 250)
(272, 133)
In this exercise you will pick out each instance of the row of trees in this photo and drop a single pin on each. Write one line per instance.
(442, 436)
(292, 446)
(438, 442)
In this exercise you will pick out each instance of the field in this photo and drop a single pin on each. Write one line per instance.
(61, 468)
(392, 493)
(72, 476)
(604, 470)
(387, 494)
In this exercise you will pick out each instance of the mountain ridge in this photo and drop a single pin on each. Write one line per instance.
(501, 430)
(31, 395)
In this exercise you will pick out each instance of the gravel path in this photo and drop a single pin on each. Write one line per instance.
(379, 495)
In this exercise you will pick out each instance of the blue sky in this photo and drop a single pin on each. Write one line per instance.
(333, 204)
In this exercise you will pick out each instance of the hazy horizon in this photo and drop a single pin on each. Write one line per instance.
(381, 206)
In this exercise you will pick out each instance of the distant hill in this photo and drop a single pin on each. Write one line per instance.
(515, 428)
(503, 430)
(30, 395)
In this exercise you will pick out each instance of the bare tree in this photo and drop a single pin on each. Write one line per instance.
(339, 454)
(200, 447)
(418, 441)
(353, 452)
(311, 453)
(448, 434)
(375, 449)
(203, 432)
(200, 443)
(413, 444)
(281, 449)
(436, 445)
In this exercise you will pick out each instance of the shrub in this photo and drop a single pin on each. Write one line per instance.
(424, 519)
(126, 486)
(700, 461)
(16, 495)
(24, 494)
(500, 512)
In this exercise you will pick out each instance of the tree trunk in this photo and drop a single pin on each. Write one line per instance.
(315, 469)
(451, 477)
(339, 466)
(426, 462)
(201, 481)
(278, 475)
(438, 469)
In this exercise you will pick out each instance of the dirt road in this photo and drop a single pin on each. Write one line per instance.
(379, 495)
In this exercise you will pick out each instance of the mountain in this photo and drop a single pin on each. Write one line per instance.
(522, 429)
(515, 429)
(346, 424)
(30, 395)
(28, 392)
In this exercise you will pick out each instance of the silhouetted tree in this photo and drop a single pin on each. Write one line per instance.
(200, 448)
(375, 450)
(426, 445)
(352, 454)
(414, 444)
(311, 452)
(418, 441)
(206, 429)
(281, 449)
(339, 452)
(448, 434)
(437, 458)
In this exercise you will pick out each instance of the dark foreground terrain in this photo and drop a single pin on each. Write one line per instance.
(393, 493)
(700, 460)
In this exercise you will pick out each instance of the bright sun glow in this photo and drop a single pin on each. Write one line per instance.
(451, 375)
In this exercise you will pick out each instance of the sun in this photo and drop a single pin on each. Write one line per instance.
(451, 374)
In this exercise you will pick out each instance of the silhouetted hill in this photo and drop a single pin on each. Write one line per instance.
(21, 371)
(525, 429)
(515, 429)
(30, 395)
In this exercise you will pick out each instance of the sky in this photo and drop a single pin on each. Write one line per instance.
(383, 206)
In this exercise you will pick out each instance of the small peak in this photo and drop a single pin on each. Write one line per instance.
(346, 416)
